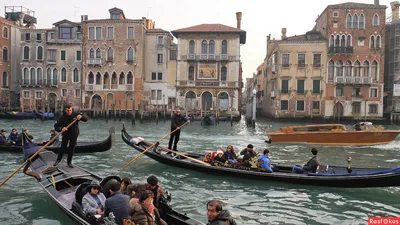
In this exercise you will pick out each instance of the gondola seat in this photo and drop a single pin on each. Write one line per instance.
(77, 204)
(322, 169)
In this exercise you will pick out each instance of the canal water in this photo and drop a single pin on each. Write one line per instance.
(22, 201)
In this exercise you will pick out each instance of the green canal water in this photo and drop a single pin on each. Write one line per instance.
(22, 201)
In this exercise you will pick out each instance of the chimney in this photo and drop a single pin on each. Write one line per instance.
(84, 18)
(239, 19)
(395, 10)
(376, 2)
(283, 33)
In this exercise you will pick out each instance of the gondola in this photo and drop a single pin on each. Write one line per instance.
(331, 176)
(208, 120)
(67, 186)
(81, 147)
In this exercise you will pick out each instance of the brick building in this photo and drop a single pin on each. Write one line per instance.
(355, 65)
(113, 53)
(5, 58)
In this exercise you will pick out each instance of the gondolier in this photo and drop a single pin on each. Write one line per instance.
(177, 120)
(70, 135)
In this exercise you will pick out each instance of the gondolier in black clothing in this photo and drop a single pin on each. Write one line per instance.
(177, 120)
(70, 135)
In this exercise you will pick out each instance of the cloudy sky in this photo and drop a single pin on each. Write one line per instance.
(260, 17)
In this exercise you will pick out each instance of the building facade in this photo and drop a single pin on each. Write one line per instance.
(260, 87)
(113, 56)
(157, 61)
(294, 85)
(5, 58)
(208, 67)
(172, 64)
(355, 64)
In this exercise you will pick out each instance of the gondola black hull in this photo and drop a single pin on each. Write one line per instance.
(345, 181)
(81, 147)
(68, 181)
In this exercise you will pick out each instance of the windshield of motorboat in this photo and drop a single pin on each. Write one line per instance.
(320, 128)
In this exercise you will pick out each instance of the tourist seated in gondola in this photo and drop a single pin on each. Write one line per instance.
(247, 157)
(117, 203)
(219, 159)
(247, 150)
(13, 137)
(26, 136)
(310, 166)
(135, 190)
(124, 185)
(265, 162)
(144, 212)
(230, 155)
(3, 138)
(53, 133)
(93, 201)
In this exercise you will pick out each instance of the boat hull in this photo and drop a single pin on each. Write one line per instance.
(348, 138)
(379, 180)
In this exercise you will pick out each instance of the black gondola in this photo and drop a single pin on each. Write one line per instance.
(81, 147)
(331, 176)
(208, 120)
(67, 186)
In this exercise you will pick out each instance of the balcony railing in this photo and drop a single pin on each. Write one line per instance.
(94, 61)
(210, 57)
(341, 50)
(353, 80)
(114, 86)
(356, 98)
(129, 87)
(199, 83)
(106, 86)
(33, 82)
(51, 82)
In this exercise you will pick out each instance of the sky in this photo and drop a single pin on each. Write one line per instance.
(259, 17)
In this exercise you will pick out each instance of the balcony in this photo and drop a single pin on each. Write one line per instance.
(114, 86)
(32, 83)
(51, 61)
(353, 80)
(211, 84)
(50, 82)
(315, 111)
(129, 87)
(94, 62)
(106, 87)
(356, 98)
(340, 50)
(89, 87)
(209, 57)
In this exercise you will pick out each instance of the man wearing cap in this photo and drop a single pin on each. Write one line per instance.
(177, 120)
(3, 138)
(93, 202)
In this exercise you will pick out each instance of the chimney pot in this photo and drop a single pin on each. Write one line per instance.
(283, 33)
(238, 20)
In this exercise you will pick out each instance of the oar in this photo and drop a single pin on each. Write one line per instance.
(181, 154)
(151, 146)
(33, 156)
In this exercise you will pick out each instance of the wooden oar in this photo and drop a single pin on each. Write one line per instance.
(151, 146)
(181, 154)
(40, 150)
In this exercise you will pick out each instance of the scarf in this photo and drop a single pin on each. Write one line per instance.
(150, 208)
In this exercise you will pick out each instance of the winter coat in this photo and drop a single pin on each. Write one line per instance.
(311, 165)
(140, 216)
(90, 205)
(135, 190)
(64, 120)
(177, 121)
(224, 218)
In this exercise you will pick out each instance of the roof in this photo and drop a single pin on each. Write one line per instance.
(211, 28)
(311, 36)
(156, 31)
(65, 21)
(117, 10)
(356, 5)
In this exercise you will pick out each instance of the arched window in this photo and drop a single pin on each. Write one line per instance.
(343, 41)
(110, 54)
(91, 78)
(98, 53)
(91, 53)
(348, 69)
(5, 32)
(122, 78)
(129, 78)
(48, 77)
(361, 21)
(26, 76)
(348, 41)
(355, 21)
(331, 70)
(339, 69)
(55, 76)
(211, 47)
(39, 76)
(375, 20)
(191, 73)
(98, 78)
(357, 68)
(337, 41)
(5, 54)
(372, 41)
(378, 42)
(39, 54)
(130, 54)
(348, 21)
(224, 46)
(63, 75)
(5, 80)
(26, 53)
(204, 47)
(332, 41)
(33, 76)
(374, 70)
(191, 47)
(224, 73)
(366, 69)
(76, 76)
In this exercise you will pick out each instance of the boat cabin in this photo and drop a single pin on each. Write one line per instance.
(314, 128)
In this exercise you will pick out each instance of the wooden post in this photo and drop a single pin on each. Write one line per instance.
(156, 109)
(120, 108)
(133, 110)
(115, 111)
(126, 108)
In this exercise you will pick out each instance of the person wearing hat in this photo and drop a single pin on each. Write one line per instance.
(220, 156)
(13, 137)
(94, 201)
(3, 138)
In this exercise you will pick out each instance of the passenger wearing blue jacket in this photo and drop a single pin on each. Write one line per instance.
(265, 162)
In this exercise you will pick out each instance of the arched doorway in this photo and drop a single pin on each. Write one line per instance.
(223, 101)
(52, 102)
(206, 99)
(190, 101)
(97, 102)
(338, 110)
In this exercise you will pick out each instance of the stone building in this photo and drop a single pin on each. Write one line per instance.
(113, 56)
(5, 58)
(208, 67)
(354, 74)
(294, 84)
